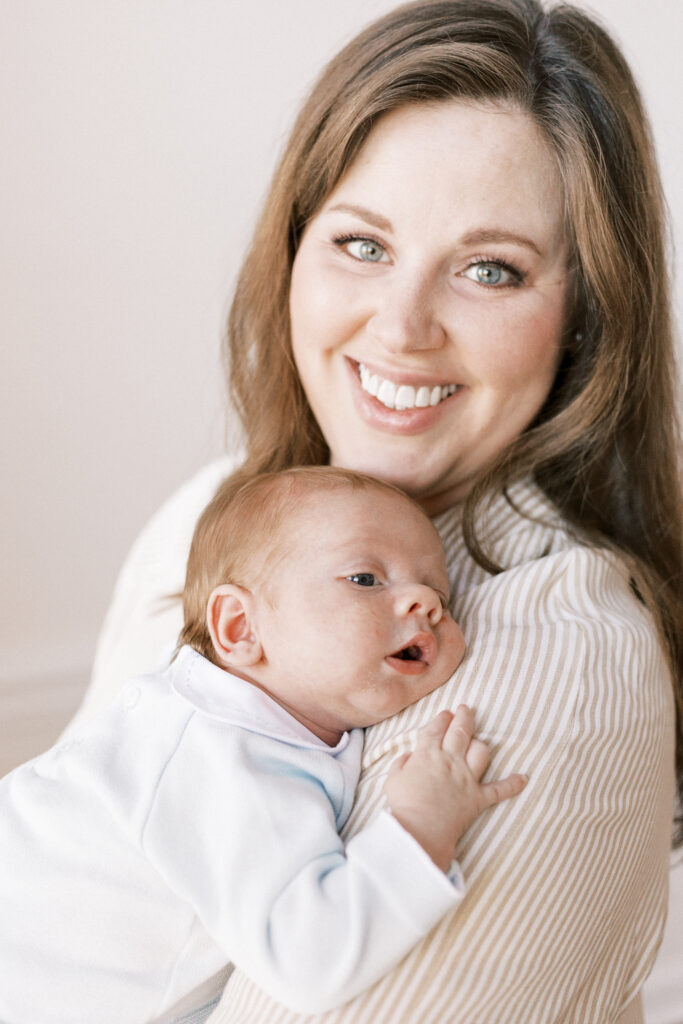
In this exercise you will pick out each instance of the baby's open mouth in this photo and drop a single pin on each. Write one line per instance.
(414, 656)
(410, 653)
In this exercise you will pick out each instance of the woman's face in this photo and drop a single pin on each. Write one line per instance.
(428, 296)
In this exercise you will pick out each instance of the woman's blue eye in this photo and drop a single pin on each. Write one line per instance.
(365, 249)
(363, 579)
(491, 274)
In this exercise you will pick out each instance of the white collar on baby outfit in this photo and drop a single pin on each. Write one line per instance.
(230, 699)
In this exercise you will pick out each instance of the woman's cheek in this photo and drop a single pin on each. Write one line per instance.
(522, 350)
(329, 303)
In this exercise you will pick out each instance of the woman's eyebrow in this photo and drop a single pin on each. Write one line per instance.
(376, 219)
(484, 236)
(480, 236)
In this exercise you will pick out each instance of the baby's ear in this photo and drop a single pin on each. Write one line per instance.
(229, 617)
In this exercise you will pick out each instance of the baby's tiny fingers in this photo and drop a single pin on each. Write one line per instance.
(393, 778)
(433, 732)
(503, 789)
(477, 758)
(397, 764)
(459, 734)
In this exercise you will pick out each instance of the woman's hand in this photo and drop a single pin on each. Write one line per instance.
(436, 792)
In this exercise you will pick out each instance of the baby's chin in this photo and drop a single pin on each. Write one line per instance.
(390, 710)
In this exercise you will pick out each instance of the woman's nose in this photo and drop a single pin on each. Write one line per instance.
(405, 319)
(421, 601)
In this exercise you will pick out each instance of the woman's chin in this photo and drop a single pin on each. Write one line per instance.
(434, 489)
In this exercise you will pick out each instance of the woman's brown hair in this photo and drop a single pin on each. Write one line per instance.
(605, 447)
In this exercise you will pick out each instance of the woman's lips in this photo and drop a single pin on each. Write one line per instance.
(398, 421)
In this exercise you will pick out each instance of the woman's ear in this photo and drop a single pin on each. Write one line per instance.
(230, 620)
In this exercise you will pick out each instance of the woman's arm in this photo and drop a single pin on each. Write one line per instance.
(567, 884)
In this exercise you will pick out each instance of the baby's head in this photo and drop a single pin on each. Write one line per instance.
(327, 589)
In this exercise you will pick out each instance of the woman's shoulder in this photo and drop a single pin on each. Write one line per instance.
(555, 581)
(572, 582)
(573, 615)
(544, 560)
(563, 613)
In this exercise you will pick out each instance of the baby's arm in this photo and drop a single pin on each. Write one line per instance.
(436, 792)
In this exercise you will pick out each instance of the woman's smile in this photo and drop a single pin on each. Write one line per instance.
(397, 402)
(403, 396)
(428, 296)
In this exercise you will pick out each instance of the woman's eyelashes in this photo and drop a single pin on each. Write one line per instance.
(489, 272)
(362, 248)
(494, 273)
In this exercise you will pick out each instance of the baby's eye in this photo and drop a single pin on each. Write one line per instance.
(363, 579)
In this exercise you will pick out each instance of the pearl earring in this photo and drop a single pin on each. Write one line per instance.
(578, 335)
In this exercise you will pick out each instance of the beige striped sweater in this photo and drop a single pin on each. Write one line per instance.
(566, 884)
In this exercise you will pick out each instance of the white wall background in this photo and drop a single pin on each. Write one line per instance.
(137, 140)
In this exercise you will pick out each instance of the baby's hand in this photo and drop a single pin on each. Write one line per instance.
(436, 792)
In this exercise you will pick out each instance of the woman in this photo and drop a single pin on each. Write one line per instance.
(458, 284)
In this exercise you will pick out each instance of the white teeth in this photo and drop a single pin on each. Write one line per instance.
(387, 394)
(402, 396)
(369, 381)
(405, 397)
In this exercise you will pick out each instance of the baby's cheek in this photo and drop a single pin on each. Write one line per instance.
(455, 642)
(370, 622)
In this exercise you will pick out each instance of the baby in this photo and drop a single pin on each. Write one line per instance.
(196, 821)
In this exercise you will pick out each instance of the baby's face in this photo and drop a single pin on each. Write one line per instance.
(356, 625)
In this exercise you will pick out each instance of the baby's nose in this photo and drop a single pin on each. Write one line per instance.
(419, 599)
